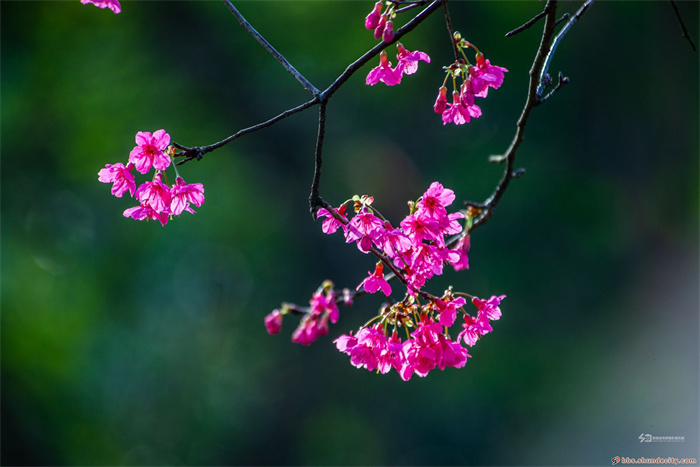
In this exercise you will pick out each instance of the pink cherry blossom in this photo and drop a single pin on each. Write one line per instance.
(392, 355)
(324, 304)
(448, 310)
(149, 151)
(463, 248)
(453, 355)
(435, 200)
(485, 75)
(364, 229)
(473, 329)
(146, 212)
(466, 93)
(376, 281)
(441, 101)
(345, 343)
(183, 194)
(425, 260)
(450, 225)
(489, 307)
(383, 73)
(459, 114)
(273, 322)
(155, 194)
(309, 329)
(394, 241)
(418, 227)
(371, 342)
(331, 224)
(111, 4)
(424, 351)
(120, 176)
(408, 61)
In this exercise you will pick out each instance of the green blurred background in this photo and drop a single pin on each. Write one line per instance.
(128, 343)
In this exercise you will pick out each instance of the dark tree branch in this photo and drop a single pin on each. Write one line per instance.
(190, 153)
(539, 81)
(527, 25)
(545, 80)
(682, 24)
(487, 208)
(280, 58)
(315, 200)
(198, 152)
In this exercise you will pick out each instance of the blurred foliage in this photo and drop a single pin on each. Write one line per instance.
(128, 343)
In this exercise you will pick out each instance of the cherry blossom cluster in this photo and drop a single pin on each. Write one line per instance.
(415, 251)
(156, 199)
(476, 81)
(429, 345)
(381, 22)
(417, 247)
(111, 4)
(323, 307)
(407, 65)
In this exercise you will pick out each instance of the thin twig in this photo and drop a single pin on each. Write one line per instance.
(544, 80)
(280, 58)
(682, 24)
(525, 26)
(563, 18)
(410, 4)
(562, 81)
(198, 152)
(190, 153)
(450, 30)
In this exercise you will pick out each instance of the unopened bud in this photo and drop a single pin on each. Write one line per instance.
(441, 101)
(379, 30)
(372, 19)
(388, 34)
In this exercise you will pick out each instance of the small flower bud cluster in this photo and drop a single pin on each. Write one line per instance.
(476, 81)
(429, 345)
(381, 21)
(156, 199)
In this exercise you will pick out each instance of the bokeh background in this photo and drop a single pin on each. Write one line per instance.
(128, 343)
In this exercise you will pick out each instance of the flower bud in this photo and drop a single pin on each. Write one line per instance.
(273, 322)
(372, 19)
(441, 101)
(379, 30)
(388, 34)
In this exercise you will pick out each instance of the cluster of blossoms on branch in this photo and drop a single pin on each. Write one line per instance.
(156, 199)
(414, 252)
(476, 81)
